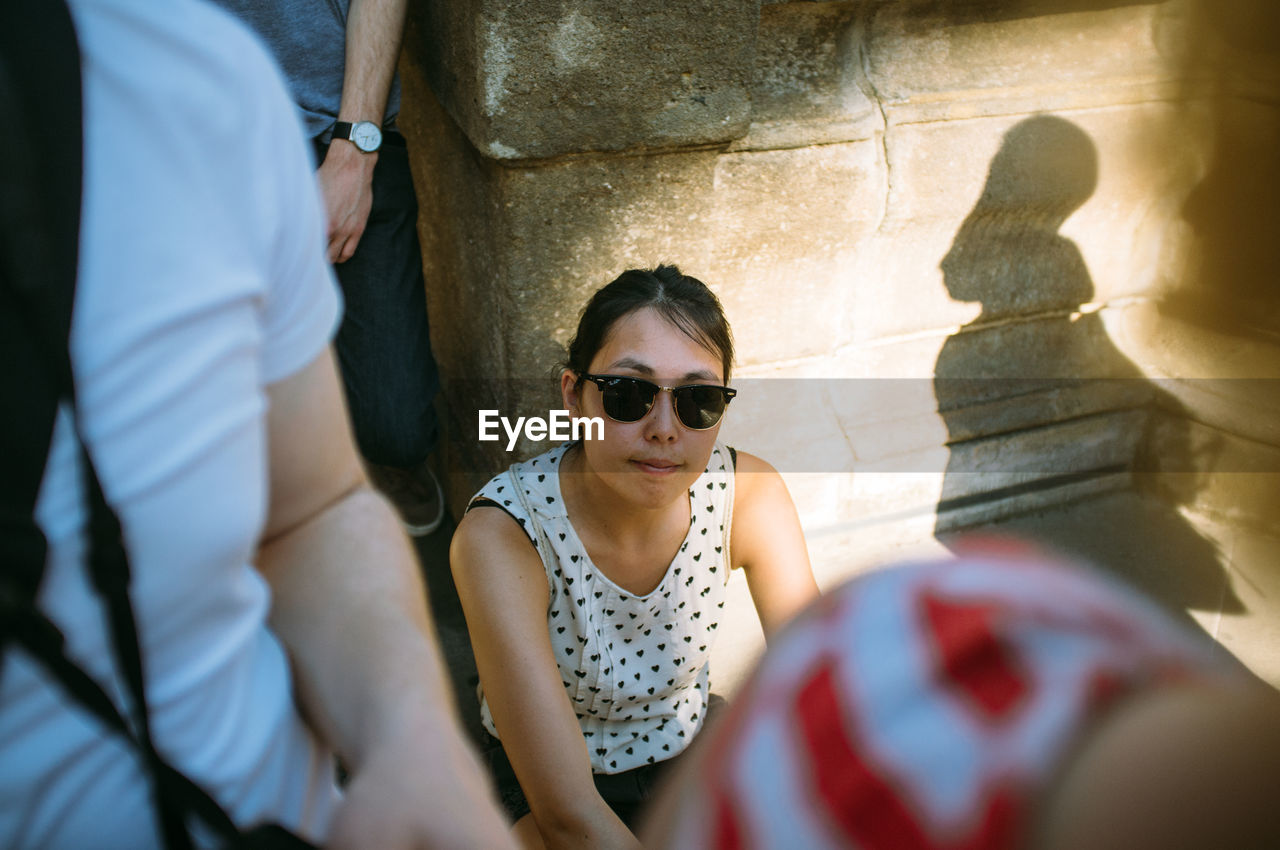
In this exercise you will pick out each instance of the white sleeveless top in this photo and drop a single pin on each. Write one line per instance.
(635, 667)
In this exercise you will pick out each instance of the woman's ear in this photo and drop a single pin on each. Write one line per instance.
(570, 392)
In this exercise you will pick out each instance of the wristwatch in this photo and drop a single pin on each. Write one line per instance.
(365, 135)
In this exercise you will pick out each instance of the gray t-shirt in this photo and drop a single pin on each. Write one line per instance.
(308, 39)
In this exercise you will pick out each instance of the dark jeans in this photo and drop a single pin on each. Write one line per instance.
(627, 793)
(383, 345)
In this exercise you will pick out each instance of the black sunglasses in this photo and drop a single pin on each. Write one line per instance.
(627, 399)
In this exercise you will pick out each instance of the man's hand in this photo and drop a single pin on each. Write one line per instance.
(374, 31)
(346, 182)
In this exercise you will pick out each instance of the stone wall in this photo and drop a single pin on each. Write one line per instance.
(980, 256)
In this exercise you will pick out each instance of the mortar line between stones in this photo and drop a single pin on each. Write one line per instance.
(864, 82)
(952, 330)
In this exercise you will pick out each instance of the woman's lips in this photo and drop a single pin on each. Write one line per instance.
(656, 466)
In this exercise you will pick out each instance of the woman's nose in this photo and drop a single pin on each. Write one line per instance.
(661, 423)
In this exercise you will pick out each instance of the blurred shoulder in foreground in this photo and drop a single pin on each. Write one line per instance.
(1003, 699)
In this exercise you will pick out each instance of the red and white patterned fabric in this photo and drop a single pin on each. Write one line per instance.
(926, 705)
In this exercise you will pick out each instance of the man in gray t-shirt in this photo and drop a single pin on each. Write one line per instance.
(339, 57)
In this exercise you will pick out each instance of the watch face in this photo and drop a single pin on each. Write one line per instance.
(367, 136)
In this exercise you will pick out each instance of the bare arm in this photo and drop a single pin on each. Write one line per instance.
(375, 29)
(768, 545)
(1183, 768)
(503, 589)
(349, 605)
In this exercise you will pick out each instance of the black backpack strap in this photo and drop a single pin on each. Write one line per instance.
(109, 572)
(39, 230)
(39, 251)
(176, 795)
(39, 244)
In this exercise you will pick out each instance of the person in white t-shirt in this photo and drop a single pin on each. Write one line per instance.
(262, 561)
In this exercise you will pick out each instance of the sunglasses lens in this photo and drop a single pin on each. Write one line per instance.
(628, 400)
(699, 407)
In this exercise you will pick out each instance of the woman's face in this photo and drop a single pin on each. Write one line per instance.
(654, 461)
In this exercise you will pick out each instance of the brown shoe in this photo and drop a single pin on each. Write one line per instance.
(416, 493)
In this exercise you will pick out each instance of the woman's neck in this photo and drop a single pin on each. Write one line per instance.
(594, 506)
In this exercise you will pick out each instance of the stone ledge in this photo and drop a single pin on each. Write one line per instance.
(542, 79)
(920, 51)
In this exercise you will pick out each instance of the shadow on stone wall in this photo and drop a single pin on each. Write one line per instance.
(1094, 404)
(1231, 67)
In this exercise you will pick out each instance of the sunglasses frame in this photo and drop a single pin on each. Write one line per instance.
(601, 380)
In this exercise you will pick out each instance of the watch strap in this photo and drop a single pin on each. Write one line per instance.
(342, 130)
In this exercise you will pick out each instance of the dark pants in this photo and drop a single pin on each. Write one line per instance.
(383, 345)
(627, 793)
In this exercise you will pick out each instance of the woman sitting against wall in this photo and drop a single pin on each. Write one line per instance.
(593, 576)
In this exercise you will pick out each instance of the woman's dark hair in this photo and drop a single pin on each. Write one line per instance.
(684, 301)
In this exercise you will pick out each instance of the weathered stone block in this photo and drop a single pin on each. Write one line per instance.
(807, 85)
(932, 61)
(789, 422)
(901, 508)
(535, 80)
(787, 227)
(916, 430)
(873, 495)
(819, 498)
(910, 356)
